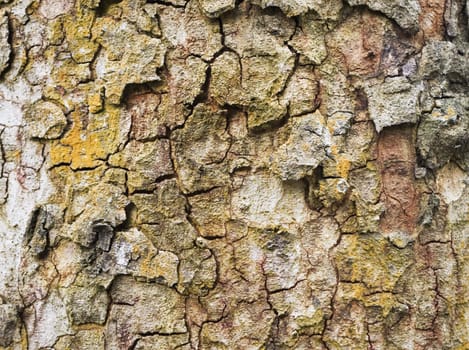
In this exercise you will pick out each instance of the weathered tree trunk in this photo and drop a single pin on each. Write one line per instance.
(221, 174)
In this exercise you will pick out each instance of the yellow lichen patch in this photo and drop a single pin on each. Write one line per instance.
(371, 260)
(78, 24)
(339, 165)
(77, 28)
(91, 139)
(343, 166)
(60, 154)
(95, 101)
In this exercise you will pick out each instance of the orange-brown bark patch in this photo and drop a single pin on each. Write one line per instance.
(432, 19)
(359, 40)
(396, 160)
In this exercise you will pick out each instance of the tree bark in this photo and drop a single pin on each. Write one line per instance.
(222, 174)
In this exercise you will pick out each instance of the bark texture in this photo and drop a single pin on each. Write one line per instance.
(222, 174)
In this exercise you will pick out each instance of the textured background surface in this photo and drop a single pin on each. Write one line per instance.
(221, 174)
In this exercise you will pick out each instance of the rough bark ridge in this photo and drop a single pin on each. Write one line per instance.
(221, 174)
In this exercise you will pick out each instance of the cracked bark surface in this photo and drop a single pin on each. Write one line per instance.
(220, 174)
